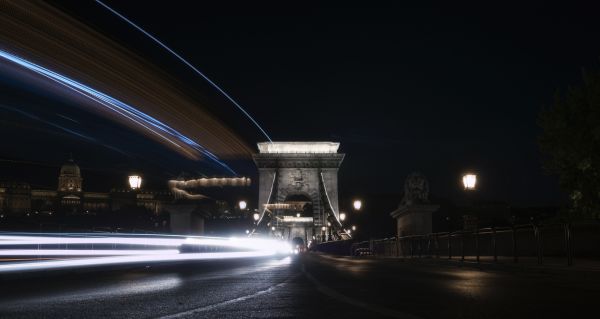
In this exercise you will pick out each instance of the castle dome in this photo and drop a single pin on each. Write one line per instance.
(70, 169)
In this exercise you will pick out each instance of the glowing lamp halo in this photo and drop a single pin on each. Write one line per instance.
(469, 181)
(135, 181)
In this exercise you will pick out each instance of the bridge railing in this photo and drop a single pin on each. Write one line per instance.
(528, 242)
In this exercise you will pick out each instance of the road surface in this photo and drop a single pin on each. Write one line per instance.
(309, 286)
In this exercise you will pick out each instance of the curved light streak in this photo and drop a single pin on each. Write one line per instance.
(151, 124)
(164, 46)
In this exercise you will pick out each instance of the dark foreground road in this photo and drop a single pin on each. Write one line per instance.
(307, 286)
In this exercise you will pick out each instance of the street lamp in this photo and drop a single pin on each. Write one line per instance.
(298, 215)
(342, 216)
(469, 181)
(242, 204)
(353, 228)
(273, 228)
(256, 216)
(357, 204)
(135, 181)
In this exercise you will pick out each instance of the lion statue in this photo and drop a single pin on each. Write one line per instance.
(416, 189)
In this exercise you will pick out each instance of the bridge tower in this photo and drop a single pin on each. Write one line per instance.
(298, 189)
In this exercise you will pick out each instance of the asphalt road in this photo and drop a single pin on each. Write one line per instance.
(308, 286)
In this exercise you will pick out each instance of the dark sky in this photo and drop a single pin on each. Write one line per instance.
(435, 89)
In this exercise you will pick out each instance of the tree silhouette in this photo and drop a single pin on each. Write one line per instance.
(571, 143)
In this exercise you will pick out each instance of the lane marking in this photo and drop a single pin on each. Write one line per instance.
(227, 302)
(355, 302)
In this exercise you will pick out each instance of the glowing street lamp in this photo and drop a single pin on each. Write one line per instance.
(135, 181)
(242, 204)
(323, 228)
(256, 216)
(273, 228)
(298, 215)
(357, 204)
(469, 181)
(342, 216)
(353, 228)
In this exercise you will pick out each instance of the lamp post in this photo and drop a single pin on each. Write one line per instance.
(469, 181)
(242, 204)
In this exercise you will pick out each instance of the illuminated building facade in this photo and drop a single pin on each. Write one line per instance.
(18, 198)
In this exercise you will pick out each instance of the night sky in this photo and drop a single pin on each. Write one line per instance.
(436, 89)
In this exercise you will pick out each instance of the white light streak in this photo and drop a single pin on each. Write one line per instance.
(122, 260)
(147, 250)
(83, 252)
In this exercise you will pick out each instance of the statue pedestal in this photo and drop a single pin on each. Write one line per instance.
(185, 219)
(414, 219)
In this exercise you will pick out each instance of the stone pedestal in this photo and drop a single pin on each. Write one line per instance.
(186, 219)
(414, 219)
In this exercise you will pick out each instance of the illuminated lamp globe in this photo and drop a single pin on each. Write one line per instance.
(342, 216)
(242, 204)
(135, 181)
(469, 181)
(357, 204)
(256, 216)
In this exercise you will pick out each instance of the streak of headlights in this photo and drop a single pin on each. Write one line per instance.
(120, 251)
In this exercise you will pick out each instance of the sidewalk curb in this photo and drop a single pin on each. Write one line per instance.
(482, 266)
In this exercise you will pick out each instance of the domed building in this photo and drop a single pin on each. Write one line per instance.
(20, 199)
(70, 180)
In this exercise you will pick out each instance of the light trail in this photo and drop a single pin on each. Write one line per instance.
(124, 260)
(46, 240)
(188, 64)
(84, 252)
(156, 240)
(150, 248)
(149, 123)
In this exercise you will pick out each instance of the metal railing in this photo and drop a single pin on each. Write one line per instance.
(509, 243)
